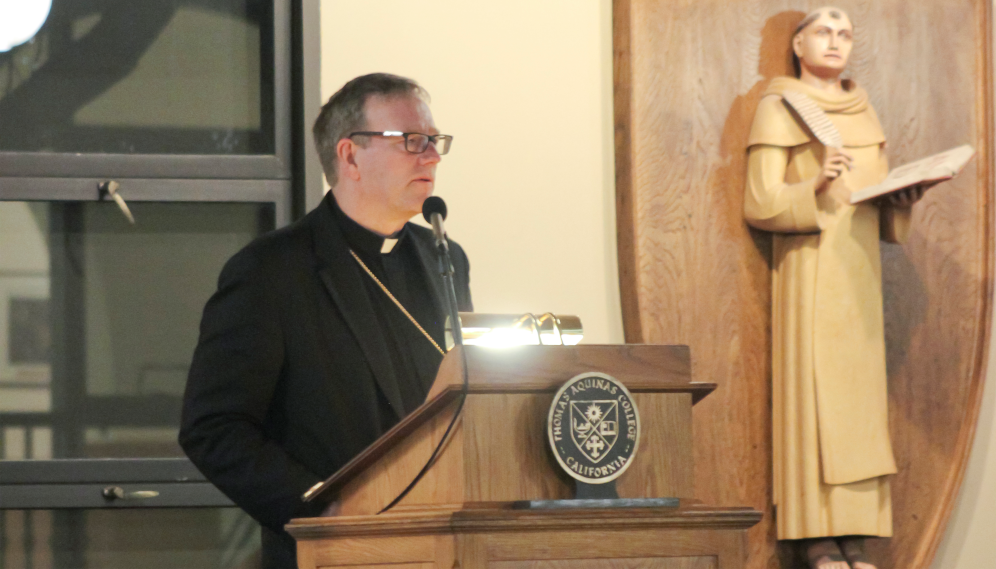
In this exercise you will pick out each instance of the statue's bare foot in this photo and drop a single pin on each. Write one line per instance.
(825, 554)
(854, 550)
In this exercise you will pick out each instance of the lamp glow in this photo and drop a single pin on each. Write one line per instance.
(508, 330)
(20, 20)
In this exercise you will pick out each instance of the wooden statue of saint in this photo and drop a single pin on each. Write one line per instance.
(832, 453)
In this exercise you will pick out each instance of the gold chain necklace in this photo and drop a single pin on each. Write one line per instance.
(398, 304)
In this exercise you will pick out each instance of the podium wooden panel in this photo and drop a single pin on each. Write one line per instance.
(461, 514)
(495, 536)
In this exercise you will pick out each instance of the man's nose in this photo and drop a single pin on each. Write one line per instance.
(430, 155)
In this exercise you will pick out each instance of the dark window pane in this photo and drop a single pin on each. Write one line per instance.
(209, 538)
(29, 333)
(99, 319)
(125, 77)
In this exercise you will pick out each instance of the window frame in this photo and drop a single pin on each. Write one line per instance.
(79, 484)
(195, 167)
(290, 179)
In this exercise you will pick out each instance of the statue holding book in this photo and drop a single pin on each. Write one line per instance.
(832, 453)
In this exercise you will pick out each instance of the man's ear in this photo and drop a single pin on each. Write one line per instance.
(346, 152)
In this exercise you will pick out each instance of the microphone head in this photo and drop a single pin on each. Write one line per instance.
(431, 205)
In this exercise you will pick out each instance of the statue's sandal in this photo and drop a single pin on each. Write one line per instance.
(822, 552)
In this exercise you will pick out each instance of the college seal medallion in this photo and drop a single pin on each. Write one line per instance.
(593, 428)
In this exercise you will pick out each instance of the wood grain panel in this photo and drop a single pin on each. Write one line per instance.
(617, 545)
(525, 468)
(613, 544)
(387, 566)
(688, 76)
(374, 550)
(634, 563)
(472, 550)
(381, 482)
(446, 551)
(663, 464)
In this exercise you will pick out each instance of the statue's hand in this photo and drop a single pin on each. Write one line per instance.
(909, 196)
(834, 164)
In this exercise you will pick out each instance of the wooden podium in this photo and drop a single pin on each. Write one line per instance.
(462, 513)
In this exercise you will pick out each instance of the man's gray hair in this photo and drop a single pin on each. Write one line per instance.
(344, 113)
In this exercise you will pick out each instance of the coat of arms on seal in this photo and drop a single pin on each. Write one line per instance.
(593, 427)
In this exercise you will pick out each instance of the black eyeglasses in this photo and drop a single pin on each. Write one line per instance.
(415, 142)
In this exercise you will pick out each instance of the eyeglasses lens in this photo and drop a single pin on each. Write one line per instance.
(418, 143)
(443, 144)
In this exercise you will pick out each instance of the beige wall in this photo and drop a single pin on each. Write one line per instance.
(526, 89)
(968, 543)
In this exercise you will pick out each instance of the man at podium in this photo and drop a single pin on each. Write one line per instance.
(324, 334)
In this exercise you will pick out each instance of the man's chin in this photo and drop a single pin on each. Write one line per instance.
(422, 195)
(415, 209)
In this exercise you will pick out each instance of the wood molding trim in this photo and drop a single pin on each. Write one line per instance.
(498, 517)
(987, 130)
(625, 223)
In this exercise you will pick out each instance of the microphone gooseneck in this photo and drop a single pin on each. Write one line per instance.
(434, 211)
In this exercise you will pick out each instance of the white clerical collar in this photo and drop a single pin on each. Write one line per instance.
(388, 245)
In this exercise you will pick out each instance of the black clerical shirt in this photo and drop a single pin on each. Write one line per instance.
(413, 358)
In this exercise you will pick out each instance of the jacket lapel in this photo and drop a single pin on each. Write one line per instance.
(343, 279)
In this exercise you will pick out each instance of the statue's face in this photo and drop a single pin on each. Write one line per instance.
(824, 45)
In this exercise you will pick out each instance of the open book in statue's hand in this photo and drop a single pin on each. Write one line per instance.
(929, 170)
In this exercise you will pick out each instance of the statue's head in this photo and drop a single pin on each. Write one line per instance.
(822, 42)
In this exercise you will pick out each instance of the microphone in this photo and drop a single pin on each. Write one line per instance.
(434, 212)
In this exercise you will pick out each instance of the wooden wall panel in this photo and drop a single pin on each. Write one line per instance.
(688, 77)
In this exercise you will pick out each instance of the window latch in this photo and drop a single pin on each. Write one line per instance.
(118, 493)
(110, 188)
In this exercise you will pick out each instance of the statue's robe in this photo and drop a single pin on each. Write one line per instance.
(831, 435)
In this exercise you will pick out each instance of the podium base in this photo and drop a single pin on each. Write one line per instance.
(492, 535)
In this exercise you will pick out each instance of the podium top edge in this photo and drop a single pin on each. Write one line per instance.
(642, 364)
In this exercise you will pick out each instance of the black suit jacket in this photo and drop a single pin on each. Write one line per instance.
(291, 371)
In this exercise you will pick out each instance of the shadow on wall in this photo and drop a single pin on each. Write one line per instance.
(774, 60)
